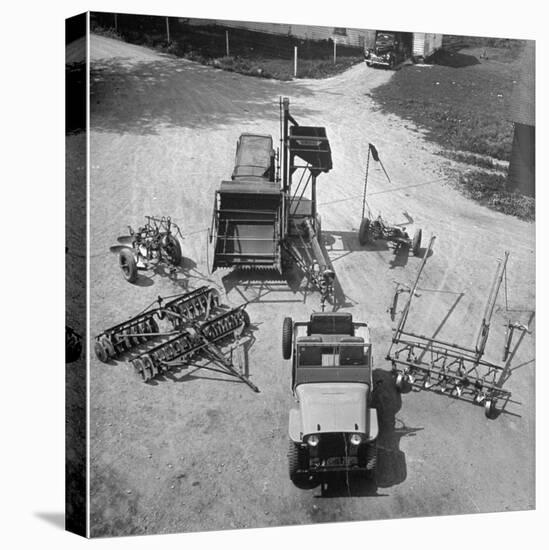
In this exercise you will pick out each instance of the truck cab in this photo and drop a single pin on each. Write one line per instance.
(334, 426)
(389, 49)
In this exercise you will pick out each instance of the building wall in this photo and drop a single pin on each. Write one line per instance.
(347, 36)
(522, 166)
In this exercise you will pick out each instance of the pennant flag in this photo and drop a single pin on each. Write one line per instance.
(374, 152)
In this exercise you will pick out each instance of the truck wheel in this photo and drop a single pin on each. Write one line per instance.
(297, 459)
(364, 232)
(128, 265)
(416, 242)
(172, 249)
(287, 335)
(371, 461)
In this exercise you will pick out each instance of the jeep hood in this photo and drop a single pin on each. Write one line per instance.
(337, 407)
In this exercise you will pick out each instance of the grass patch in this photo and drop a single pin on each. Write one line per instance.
(490, 189)
(461, 101)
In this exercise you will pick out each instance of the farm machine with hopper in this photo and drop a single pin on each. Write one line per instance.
(265, 216)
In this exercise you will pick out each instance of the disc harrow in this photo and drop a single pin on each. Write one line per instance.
(193, 323)
(124, 337)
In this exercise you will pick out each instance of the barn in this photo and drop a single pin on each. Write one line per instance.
(522, 112)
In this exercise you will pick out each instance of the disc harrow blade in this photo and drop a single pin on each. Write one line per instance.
(127, 335)
(191, 306)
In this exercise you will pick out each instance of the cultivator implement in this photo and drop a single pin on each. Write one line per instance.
(259, 220)
(423, 362)
(173, 330)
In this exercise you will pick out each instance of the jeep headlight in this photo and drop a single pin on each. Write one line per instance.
(356, 439)
(313, 440)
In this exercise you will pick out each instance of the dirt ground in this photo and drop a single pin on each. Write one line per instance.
(199, 451)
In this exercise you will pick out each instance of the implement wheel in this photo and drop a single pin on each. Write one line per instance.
(490, 407)
(172, 250)
(287, 335)
(416, 242)
(100, 351)
(128, 265)
(364, 232)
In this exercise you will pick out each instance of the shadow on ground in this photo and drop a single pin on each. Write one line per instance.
(185, 91)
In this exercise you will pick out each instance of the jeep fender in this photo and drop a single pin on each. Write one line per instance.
(374, 428)
(294, 429)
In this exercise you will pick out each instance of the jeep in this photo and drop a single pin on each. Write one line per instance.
(335, 427)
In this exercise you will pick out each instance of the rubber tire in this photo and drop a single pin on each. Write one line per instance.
(490, 408)
(172, 250)
(296, 460)
(371, 461)
(364, 232)
(128, 266)
(246, 318)
(401, 382)
(287, 336)
(100, 352)
(416, 242)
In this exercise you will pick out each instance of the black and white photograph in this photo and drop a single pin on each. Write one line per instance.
(300, 271)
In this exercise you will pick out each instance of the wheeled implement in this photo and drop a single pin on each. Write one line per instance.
(375, 228)
(262, 217)
(335, 426)
(454, 369)
(173, 330)
(148, 246)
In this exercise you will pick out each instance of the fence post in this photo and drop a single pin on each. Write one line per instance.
(168, 28)
(116, 22)
(335, 48)
(227, 42)
(295, 61)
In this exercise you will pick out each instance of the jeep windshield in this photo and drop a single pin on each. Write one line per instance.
(342, 361)
(385, 38)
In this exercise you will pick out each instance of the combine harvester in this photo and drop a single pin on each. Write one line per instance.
(261, 218)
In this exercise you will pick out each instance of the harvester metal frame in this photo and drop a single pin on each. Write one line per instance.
(420, 361)
(288, 220)
(195, 323)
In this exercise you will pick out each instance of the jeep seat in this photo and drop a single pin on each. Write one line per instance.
(309, 355)
(351, 354)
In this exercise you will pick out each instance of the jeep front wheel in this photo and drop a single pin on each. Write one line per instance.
(298, 460)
